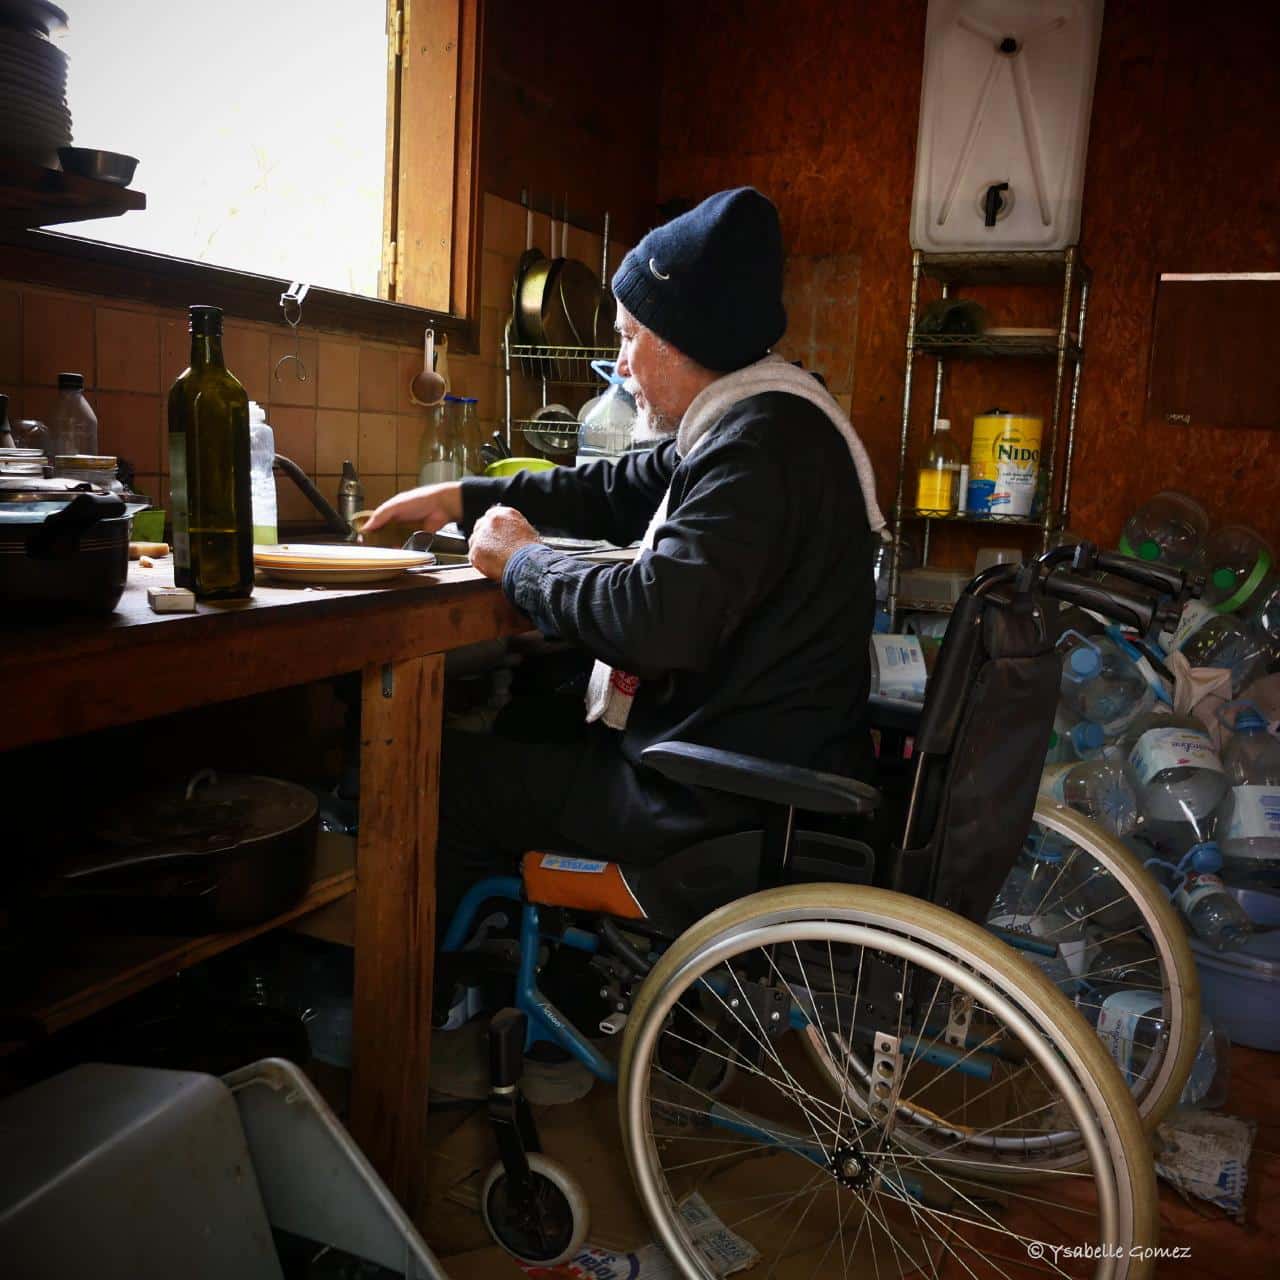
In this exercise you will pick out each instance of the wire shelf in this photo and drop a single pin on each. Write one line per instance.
(967, 517)
(992, 346)
(907, 604)
(1021, 267)
(565, 366)
(548, 437)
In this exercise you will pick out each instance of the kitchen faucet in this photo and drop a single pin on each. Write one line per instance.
(334, 522)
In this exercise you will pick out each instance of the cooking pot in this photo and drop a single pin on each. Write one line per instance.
(219, 852)
(64, 546)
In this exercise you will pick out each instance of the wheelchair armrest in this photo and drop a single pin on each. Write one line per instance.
(758, 779)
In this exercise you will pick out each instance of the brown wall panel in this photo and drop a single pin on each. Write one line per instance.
(818, 104)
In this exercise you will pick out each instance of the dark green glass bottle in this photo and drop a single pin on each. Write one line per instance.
(209, 470)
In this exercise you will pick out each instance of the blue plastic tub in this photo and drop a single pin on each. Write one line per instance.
(1240, 989)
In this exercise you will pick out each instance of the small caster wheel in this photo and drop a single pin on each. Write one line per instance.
(549, 1230)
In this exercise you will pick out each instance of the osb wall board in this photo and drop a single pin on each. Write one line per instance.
(818, 104)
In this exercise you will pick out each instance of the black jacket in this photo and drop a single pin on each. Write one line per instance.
(747, 622)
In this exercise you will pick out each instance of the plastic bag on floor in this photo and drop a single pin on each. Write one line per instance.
(1206, 1154)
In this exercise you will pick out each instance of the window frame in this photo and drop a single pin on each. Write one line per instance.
(439, 71)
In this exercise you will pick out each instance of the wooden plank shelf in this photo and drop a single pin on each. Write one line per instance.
(34, 196)
(96, 972)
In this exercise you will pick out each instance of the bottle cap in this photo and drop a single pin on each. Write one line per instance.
(1087, 735)
(205, 320)
(1223, 579)
(1206, 856)
(1250, 720)
(1085, 663)
(1148, 549)
(71, 382)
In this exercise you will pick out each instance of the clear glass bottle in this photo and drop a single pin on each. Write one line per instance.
(440, 447)
(938, 481)
(262, 452)
(73, 425)
(209, 470)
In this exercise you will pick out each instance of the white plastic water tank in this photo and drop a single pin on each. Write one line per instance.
(1008, 90)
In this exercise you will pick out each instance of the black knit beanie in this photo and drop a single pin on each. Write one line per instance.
(710, 281)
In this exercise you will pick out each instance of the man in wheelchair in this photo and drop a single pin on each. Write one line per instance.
(742, 622)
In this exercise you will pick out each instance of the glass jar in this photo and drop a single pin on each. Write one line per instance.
(448, 447)
(31, 433)
(89, 468)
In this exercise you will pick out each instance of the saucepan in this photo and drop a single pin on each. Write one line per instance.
(215, 852)
(64, 546)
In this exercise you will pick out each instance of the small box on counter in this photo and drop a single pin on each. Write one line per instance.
(171, 600)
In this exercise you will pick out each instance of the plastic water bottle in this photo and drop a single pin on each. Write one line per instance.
(1176, 771)
(262, 481)
(1227, 642)
(1129, 1022)
(1213, 914)
(1101, 683)
(897, 667)
(1034, 900)
(1170, 529)
(1100, 789)
(1235, 561)
(1207, 1084)
(1263, 611)
(1073, 739)
(1249, 817)
(606, 431)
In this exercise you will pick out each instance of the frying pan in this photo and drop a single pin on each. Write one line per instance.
(534, 295)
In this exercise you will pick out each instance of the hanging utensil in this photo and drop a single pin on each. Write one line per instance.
(606, 317)
(428, 388)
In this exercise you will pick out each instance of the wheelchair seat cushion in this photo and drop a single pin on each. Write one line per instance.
(581, 884)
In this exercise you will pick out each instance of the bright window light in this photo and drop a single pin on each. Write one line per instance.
(260, 126)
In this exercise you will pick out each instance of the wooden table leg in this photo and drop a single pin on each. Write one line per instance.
(401, 714)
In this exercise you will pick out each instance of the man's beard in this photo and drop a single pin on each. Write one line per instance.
(650, 426)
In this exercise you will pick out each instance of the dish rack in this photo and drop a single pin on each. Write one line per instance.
(549, 366)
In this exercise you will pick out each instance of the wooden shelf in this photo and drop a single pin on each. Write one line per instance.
(33, 196)
(93, 973)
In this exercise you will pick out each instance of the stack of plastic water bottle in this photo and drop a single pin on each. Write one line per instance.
(1204, 820)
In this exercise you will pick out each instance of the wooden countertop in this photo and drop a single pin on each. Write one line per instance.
(73, 676)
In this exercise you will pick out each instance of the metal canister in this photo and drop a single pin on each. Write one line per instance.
(1004, 464)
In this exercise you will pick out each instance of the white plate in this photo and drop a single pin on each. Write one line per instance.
(344, 557)
(332, 577)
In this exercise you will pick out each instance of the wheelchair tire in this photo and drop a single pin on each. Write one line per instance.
(1103, 1133)
(564, 1216)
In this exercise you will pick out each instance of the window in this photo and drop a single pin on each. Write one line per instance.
(329, 141)
(259, 127)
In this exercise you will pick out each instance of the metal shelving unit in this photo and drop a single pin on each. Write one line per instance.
(1065, 349)
(550, 366)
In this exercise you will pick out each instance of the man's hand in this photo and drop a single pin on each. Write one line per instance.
(498, 535)
(429, 507)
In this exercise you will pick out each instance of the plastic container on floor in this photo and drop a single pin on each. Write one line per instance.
(1101, 683)
(1249, 817)
(1235, 562)
(1177, 773)
(1240, 989)
(1228, 643)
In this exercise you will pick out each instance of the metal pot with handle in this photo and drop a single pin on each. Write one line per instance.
(64, 547)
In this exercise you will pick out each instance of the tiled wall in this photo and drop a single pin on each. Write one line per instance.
(355, 403)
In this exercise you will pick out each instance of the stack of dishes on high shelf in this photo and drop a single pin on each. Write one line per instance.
(34, 118)
(339, 565)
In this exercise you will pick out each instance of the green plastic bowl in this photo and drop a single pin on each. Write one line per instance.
(148, 526)
(509, 466)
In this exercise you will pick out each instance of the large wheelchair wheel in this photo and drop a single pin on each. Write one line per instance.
(993, 1129)
(1136, 946)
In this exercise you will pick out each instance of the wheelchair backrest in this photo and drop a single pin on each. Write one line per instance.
(983, 735)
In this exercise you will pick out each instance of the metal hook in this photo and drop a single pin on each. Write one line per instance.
(291, 306)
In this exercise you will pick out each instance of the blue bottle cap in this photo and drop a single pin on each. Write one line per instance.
(1249, 720)
(1206, 856)
(1085, 663)
(1087, 736)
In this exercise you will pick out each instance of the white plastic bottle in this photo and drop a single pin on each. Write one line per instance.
(262, 481)
(1177, 773)
(1236, 561)
(1170, 529)
(1249, 817)
(1101, 683)
(897, 667)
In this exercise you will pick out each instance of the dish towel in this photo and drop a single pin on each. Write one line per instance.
(611, 691)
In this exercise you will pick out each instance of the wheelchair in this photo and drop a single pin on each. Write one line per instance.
(828, 1063)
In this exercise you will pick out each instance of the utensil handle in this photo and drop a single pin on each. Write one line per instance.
(604, 253)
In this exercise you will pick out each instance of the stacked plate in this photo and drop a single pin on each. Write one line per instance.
(342, 565)
(34, 118)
